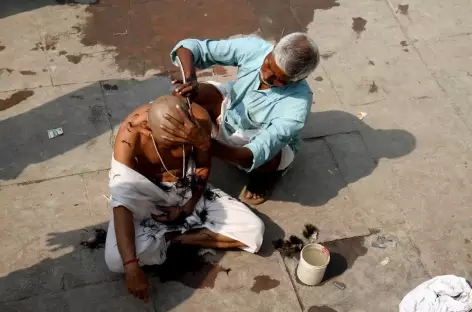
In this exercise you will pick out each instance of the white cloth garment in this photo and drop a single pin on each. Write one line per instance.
(447, 293)
(132, 190)
(241, 137)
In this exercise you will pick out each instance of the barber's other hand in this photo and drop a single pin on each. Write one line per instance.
(183, 130)
(137, 282)
(188, 89)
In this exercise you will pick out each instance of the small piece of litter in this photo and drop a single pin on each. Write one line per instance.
(361, 115)
(383, 242)
(52, 133)
(385, 261)
(205, 251)
(340, 285)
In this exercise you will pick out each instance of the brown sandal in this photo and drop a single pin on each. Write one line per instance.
(261, 183)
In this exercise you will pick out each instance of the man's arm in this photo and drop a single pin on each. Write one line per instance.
(206, 53)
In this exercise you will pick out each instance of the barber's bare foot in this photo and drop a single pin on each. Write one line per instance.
(250, 195)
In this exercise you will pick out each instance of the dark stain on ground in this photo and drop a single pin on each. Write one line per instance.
(406, 50)
(373, 88)
(44, 70)
(75, 59)
(264, 282)
(371, 63)
(9, 70)
(109, 87)
(78, 97)
(27, 72)
(403, 8)
(77, 29)
(323, 308)
(184, 265)
(358, 24)
(319, 78)
(2, 48)
(62, 52)
(326, 56)
(143, 33)
(38, 46)
(466, 241)
(15, 98)
(51, 42)
(404, 43)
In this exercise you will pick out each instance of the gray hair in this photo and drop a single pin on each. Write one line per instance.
(297, 55)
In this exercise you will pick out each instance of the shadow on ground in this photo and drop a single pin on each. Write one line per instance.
(83, 270)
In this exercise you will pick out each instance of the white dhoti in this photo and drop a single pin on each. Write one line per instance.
(224, 215)
(241, 137)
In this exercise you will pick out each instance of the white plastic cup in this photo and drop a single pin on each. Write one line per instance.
(314, 259)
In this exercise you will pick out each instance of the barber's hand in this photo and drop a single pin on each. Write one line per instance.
(173, 214)
(183, 130)
(137, 282)
(188, 89)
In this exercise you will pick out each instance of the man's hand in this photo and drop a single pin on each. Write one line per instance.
(183, 130)
(137, 282)
(174, 215)
(188, 89)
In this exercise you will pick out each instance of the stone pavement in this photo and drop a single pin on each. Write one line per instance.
(403, 170)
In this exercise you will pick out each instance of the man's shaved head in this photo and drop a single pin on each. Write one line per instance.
(163, 105)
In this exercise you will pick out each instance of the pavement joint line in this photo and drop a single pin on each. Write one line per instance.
(51, 178)
(431, 72)
(61, 290)
(299, 299)
(109, 114)
(87, 195)
(333, 87)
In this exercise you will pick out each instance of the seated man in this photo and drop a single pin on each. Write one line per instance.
(159, 196)
(260, 115)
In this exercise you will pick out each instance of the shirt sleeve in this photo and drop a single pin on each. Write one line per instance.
(231, 52)
(270, 141)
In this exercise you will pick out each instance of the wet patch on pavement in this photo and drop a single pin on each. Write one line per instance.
(2, 48)
(143, 34)
(264, 282)
(403, 8)
(319, 78)
(358, 25)
(75, 59)
(323, 308)
(15, 98)
(27, 72)
(373, 88)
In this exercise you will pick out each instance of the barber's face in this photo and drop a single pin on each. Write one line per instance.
(271, 74)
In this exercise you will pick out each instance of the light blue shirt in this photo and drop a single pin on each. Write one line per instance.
(279, 112)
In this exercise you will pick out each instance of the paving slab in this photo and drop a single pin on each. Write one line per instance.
(314, 191)
(254, 283)
(448, 59)
(108, 296)
(424, 19)
(28, 153)
(42, 227)
(355, 263)
(342, 25)
(363, 75)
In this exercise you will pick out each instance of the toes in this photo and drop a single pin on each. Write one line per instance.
(249, 195)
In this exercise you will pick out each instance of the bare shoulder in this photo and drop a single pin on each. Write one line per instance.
(127, 142)
(202, 117)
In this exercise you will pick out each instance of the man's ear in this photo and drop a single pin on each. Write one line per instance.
(144, 129)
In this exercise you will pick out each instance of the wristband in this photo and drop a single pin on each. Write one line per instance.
(134, 260)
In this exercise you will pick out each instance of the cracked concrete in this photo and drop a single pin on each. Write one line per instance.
(404, 170)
